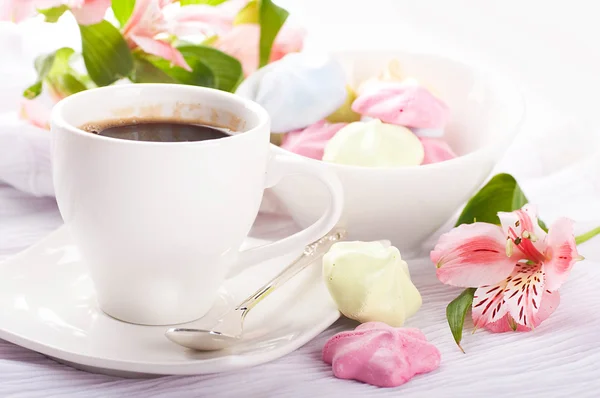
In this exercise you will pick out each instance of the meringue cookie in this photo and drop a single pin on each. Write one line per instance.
(374, 144)
(370, 282)
(311, 141)
(403, 103)
(432, 133)
(436, 150)
(345, 114)
(380, 355)
(392, 72)
(298, 90)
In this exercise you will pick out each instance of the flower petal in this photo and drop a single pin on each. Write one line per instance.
(145, 20)
(549, 303)
(488, 304)
(562, 253)
(523, 292)
(161, 49)
(472, 255)
(16, 10)
(36, 113)
(91, 11)
(290, 39)
(198, 19)
(19, 10)
(523, 228)
(241, 42)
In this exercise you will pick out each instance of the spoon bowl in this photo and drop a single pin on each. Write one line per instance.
(201, 340)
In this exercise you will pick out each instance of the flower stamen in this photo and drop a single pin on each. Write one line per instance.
(518, 241)
(509, 247)
(533, 238)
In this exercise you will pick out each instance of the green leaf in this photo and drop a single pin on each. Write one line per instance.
(207, 2)
(33, 91)
(62, 56)
(43, 65)
(55, 69)
(66, 84)
(122, 10)
(201, 75)
(209, 41)
(501, 193)
(210, 68)
(145, 71)
(226, 69)
(271, 19)
(456, 312)
(248, 14)
(52, 14)
(511, 322)
(105, 53)
(62, 79)
(587, 236)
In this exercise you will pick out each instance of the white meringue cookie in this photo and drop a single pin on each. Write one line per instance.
(428, 133)
(391, 73)
(374, 144)
(298, 90)
(370, 282)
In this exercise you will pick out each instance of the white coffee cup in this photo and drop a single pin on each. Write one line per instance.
(160, 224)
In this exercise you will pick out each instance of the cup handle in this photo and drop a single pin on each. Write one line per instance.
(281, 166)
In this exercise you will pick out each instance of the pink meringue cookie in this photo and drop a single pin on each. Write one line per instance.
(381, 355)
(405, 103)
(436, 150)
(311, 141)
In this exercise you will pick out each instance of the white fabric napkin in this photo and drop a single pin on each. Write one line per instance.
(24, 148)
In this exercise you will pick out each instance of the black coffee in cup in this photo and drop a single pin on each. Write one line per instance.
(156, 131)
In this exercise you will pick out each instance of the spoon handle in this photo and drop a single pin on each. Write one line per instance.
(312, 252)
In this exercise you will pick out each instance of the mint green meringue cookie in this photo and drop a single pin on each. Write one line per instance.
(374, 144)
(370, 282)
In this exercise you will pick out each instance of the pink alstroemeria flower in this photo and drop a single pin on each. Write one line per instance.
(517, 267)
(242, 40)
(86, 12)
(149, 20)
(36, 113)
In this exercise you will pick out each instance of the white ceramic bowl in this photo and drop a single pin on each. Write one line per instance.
(406, 205)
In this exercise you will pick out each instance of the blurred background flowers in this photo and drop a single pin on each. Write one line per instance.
(211, 43)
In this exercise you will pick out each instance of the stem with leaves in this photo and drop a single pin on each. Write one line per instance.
(587, 236)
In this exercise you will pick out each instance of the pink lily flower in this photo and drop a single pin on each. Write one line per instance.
(149, 20)
(36, 113)
(242, 40)
(311, 141)
(86, 12)
(146, 22)
(89, 12)
(517, 267)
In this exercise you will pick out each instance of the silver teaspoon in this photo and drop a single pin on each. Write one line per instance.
(211, 340)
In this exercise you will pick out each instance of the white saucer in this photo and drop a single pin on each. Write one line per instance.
(47, 304)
